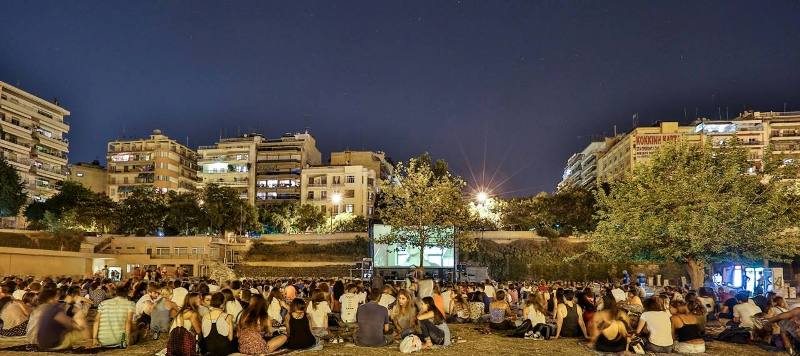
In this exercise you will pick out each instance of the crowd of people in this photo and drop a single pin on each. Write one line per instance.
(201, 316)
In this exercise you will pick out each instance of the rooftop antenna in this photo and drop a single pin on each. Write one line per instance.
(187, 140)
(635, 120)
(727, 113)
(685, 114)
(784, 106)
(719, 112)
(615, 130)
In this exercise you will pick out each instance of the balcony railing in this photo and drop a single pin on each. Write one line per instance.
(188, 256)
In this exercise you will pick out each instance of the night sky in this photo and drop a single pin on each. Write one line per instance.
(505, 91)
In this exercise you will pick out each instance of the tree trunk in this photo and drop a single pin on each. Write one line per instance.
(696, 271)
(422, 258)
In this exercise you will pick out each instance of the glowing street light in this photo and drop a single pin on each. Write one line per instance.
(336, 198)
(481, 197)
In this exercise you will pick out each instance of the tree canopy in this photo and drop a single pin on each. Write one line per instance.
(423, 206)
(570, 211)
(142, 212)
(12, 190)
(695, 204)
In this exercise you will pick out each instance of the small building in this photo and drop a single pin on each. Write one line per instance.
(340, 189)
(91, 175)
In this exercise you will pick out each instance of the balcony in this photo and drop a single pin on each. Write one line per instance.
(317, 185)
(57, 143)
(189, 256)
(50, 172)
(16, 129)
(57, 158)
(19, 147)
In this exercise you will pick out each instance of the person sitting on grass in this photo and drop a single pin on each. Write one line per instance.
(656, 322)
(459, 309)
(610, 327)
(317, 313)
(431, 323)
(373, 323)
(500, 314)
(404, 315)
(298, 328)
(535, 314)
(114, 325)
(569, 320)
(54, 328)
(217, 327)
(687, 329)
(255, 330)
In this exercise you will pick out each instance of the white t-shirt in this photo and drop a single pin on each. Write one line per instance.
(489, 290)
(745, 312)
(274, 311)
(535, 316)
(446, 300)
(425, 288)
(178, 295)
(18, 294)
(317, 317)
(659, 326)
(386, 300)
(349, 307)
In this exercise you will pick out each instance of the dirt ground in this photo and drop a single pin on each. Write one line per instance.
(476, 344)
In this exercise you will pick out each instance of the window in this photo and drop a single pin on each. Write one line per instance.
(348, 208)
(335, 209)
(162, 251)
(261, 183)
(261, 195)
(272, 183)
(241, 157)
(351, 179)
(181, 251)
(349, 193)
(337, 180)
(370, 181)
(369, 210)
(197, 250)
(370, 196)
(310, 196)
(79, 174)
(323, 194)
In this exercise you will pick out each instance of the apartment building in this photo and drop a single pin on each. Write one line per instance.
(91, 175)
(581, 169)
(279, 163)
(158, 161)
(752, 134)
(374, 160)
(231, 163)
(340, 189)
(638, 145)
(32, 140)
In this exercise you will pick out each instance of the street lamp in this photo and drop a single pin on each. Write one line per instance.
(336, 198)
(481, 197)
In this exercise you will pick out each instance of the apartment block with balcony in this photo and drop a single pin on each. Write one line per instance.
(638, 145)
(157, 161)
(752, 134)
(374, 160)
(279, 163)
(355, 187)
(32, 140)
(91, 175)
(231, 163)
(581, 169)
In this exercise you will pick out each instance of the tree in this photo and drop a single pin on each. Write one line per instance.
(225, 211)
(142, 212)
(12, 190)
(423, 208)
(565, 213)
(184, 214)
(65, 229)
(101, 212)
(307, 217)
(695, 204)
(276, 218)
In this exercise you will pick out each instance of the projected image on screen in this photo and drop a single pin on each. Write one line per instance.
(399, 256)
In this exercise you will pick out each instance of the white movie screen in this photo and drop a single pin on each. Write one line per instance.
(400, 256)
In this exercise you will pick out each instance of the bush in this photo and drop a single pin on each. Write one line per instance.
(293, 251)
(43, 242)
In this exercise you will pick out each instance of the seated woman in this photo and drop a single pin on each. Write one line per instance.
(298, 329)
(609, 327)
(434, 331)
(686, 328)
(255, 330)
(318, 313)
(658, 326)
(217, 328)
(500, 313)
(15, 315)
(459, 309)
(276, 307)
(476, 306)
(535, 314)
(403, 315)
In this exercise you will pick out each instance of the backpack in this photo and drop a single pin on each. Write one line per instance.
(181, 341)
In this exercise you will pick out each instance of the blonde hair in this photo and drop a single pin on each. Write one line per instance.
(165, 293)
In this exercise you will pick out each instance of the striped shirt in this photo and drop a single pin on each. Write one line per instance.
(113, 316)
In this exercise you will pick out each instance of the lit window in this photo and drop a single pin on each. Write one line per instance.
(348, 208)
(79, 174)
(272, 183)
(261, 195)
(351, 179)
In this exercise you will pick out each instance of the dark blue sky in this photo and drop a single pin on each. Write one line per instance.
(523, 84)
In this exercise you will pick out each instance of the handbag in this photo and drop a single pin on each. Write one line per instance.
(410, 343)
